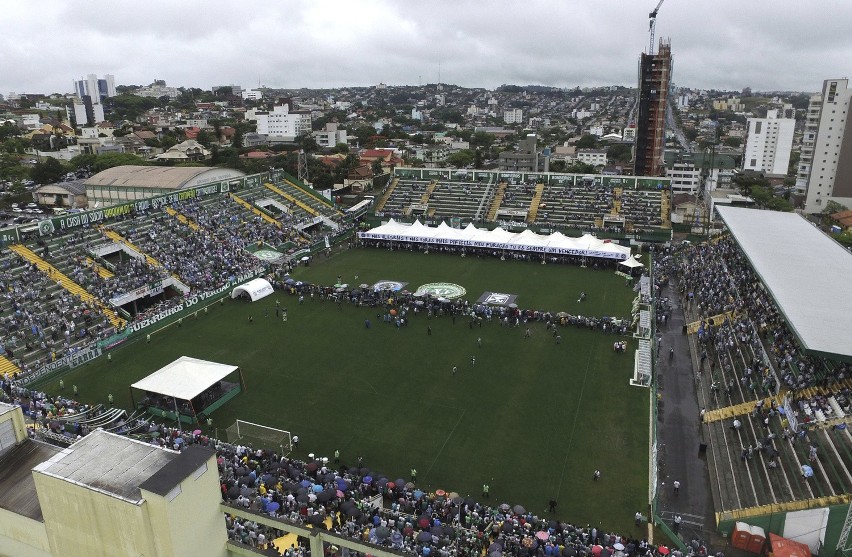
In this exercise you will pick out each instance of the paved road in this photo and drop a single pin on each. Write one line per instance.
(679, 435)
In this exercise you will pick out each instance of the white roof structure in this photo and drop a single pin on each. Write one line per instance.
(255, 289)
(185, 378)
(805, 272)
(498, 238)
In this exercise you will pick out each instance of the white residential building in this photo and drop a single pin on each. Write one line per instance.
(808, 140)
(768, 144)
(252, 95)
(686, 178)
(331, 135)
(88, 112)
(594, 157)
(830, 176)
(282, 123)
(513, 116)
(156, 90)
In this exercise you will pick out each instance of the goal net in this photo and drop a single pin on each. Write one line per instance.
(259, 436)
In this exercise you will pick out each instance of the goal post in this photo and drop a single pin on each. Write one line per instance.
(259, 436)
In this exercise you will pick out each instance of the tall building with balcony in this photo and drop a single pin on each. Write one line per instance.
(829, 156)
(654, 78)
(768, 143)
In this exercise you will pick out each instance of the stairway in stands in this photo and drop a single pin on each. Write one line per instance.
(666, 209)
(424, 199)
(303, 206)
(498, 200)
(387, 195)
(66, 283)
(535, 202)
(7, 368)
(116, 237)
(616, 204)
(182, 218)
(256, 211)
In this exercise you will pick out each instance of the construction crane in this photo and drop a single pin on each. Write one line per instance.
(653, 18)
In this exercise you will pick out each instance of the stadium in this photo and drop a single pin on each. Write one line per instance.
(472, 366)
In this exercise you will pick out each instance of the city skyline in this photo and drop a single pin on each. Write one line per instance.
(779, 45)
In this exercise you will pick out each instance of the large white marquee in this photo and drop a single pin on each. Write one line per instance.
(470, 236)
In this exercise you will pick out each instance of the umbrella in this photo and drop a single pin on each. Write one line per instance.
(400, 482)
(452, 495)
(458, 500)
(423, 521)
(507, 526)
(418, 494)
(495, 546)
(382, 532)
(352, 511)
(437, 531)
(364, 471)
(273, 506)
(618, 546)
(569, 552)
(663, 550)
(197, 432)
(409, 485)
(327, 495)
(440, 492)
(340, 494)
(807, 471)
(317, 488)
(391, 485)
(234, 492)
(302, 498)
(408, 530)
(367, 479)
(424, 536)
(504, 507)
(542, 535)
(517, 509)
(341, 484)
(596, 550)
(245, 492)
(305, 483)
(315, 519)
(312, 467)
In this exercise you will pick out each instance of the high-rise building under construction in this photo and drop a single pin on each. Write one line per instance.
(654, 77)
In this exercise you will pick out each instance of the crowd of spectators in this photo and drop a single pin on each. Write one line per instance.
(39, 321)
(355, 502)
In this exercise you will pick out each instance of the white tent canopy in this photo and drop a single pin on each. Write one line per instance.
(255, 289)
(631, 262)
(470, 236)
(185, 378)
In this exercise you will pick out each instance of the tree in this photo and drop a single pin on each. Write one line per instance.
(83, 161)
(48, 172)
(832, 206)
(237, 139)
(461, 159)
(109, 160)
(619, 153)
(588, 141)
(377, 167)
(733, 142)
(205, 138)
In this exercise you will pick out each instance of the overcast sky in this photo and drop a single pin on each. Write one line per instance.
(724, 44)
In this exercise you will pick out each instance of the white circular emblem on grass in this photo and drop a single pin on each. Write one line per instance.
(388, 285)
(442, 290)
(267, 254)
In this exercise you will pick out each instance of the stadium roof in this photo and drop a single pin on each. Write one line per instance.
(160, 177)
(185, 378)
(806, 273)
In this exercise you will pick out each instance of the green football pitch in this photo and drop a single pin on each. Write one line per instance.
(532, 418)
